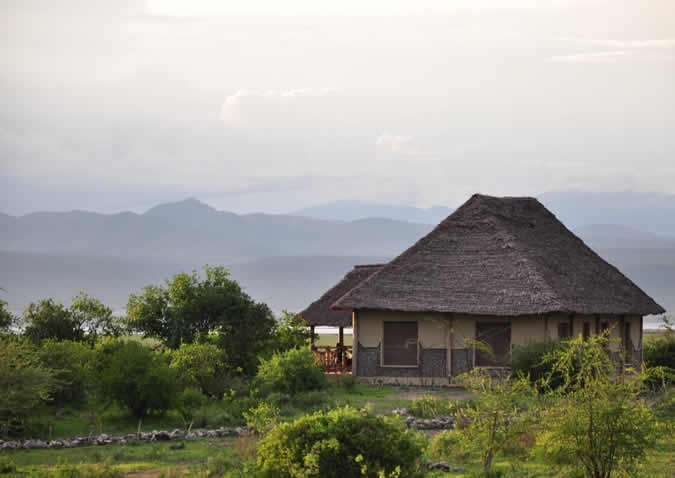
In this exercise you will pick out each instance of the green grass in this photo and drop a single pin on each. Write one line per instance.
(139, 457)
(332, 339)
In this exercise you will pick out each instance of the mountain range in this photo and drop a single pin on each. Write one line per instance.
(290, 260)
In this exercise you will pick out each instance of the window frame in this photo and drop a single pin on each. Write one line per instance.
(417, 344)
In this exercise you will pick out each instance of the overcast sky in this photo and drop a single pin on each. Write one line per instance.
(275, 105)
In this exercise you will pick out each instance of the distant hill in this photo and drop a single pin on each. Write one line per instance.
(194, 232)
(650, 212)
(353, 210)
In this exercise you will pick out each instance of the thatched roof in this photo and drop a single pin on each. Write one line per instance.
(500, 256)
(320, 313)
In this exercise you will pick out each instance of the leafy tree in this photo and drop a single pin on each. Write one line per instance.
(189, 308)
(290, 372)
(136, 378)
(85, 320)
(94, 318)
(598, 424)
(25, 383)
(660, 352)
(6, 318)
(50, 320)
(343, 443)
(202, 366)
(498, 421)
(69, 362)
(291, 332)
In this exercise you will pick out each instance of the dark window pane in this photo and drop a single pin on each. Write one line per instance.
(563, 330)
(587, 331)
(400, 343)
(497, 338)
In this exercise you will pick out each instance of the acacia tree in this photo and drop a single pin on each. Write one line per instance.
(192, 308)
(597, 425)
(6, 318)
(499, 418)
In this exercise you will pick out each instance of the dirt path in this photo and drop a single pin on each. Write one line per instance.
(441, 394)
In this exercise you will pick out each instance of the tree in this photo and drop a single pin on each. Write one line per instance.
(94, 318)
(136, 378)
(202, 366)
(25, 385)
(189, 308)
(597, 425)
(6, 318)
(50, 320)
(291, 332)
(84, 321)
(498, 419)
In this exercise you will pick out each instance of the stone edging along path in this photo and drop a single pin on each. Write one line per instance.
(104, 439)
(437, 423)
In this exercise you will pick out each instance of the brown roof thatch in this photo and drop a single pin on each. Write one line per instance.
(500, 256)
(320, 313)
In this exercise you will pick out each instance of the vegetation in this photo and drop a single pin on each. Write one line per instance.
(6, 318)
(202, 366)
(340, 443)
(190, 308)
(429, 406)
(660, 352)
(290, 373)
(131, 375)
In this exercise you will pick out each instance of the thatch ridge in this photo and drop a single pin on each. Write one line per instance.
(319, 312)
(500, 256)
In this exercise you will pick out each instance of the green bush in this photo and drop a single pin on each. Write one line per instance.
(531, 361)
(343, 443)
(290, 372)
(202, 366)
(69, 361)
(660, 351)
(136, 378)
(261, 418)
(447, 445)
(189, 401)
(25, 385)
(428, 406)
(7, 465)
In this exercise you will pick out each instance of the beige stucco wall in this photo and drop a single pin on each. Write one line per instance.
(433, 329)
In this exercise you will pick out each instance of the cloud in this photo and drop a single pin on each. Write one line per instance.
(615, 51)
(392, 147)
(624, 44)
(250, 107)
(613, 56)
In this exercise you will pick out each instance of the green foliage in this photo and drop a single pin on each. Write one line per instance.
(202, 366)
(290, 372)
(79, 471)
(86, 320)
(291, 332)
(25, 384)
(448, 445)
(69, 361)
(50, 320)
(6, 319)
(660, 352)
(7, 465)
(598, 425)
(189, 401)
(188, 308)
(135, 377)
(261, 418)
(428, 406)
(343, 443)
(498, 421)
(530, 361)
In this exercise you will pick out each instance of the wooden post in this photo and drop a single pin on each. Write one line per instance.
(343, 355)
(311, 339)
(355, 342)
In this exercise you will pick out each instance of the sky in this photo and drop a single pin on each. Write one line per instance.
(273, 106)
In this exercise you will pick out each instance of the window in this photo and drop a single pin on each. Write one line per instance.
(563, 330)
(587, 331)
(400, 344)
(497, 337)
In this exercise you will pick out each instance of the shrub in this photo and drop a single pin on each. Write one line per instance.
(25, 384)
(69, 361)
(291, 332)
(202, 366)
(428, 406)
(261, 418)
(134, 377)
(290, 372)
(7, 465)
(599, 425)
(189, 401)
(660, 352)
(447, 445)
(530, 361)
(343, 443)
